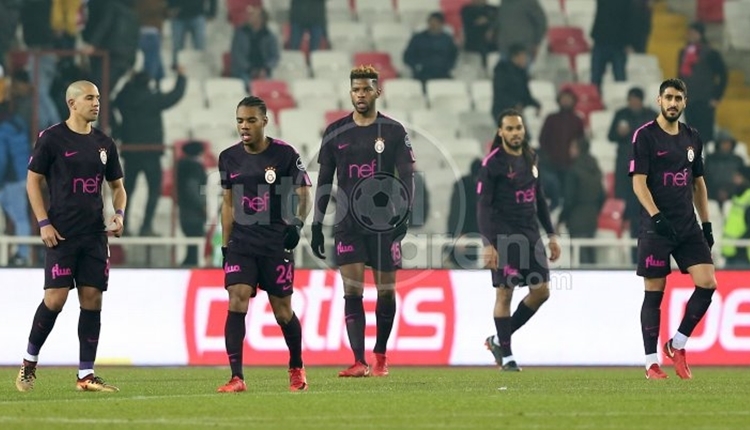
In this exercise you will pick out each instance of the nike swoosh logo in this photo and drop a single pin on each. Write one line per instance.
(287, 288)
(343, 146)
(661, 153)
(70, 154)
(233, 175)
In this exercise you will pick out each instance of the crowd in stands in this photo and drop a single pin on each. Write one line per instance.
(578, 69)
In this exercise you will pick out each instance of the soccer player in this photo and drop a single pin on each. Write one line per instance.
(511, 199)
(261, 176)
(667, 172)
(363, 148)
(74, 159)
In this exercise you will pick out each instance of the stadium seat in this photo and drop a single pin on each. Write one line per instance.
(441, 93)
(269, 88)
(441, 125)
(330, 64)
(315, 93)
(599, 123)
(481, 94)
(403, 94)
(415, 13)
(193, 98)
(292, 65)
(334, 115)
(615, 94)
(543, 90)
(338, 11)
(588, 97)
(380, 60)
(349, 37)
(611, 216)
(452, 6)
(372, 11)
(609, 184)
(219, 90)
(567, 40)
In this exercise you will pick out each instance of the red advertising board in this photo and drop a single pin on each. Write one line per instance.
(723, 336)
(423, 331)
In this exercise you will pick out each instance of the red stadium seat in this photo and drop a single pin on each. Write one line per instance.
(453, 20)
(611, 216)
(116, 255)
(588, 98)
(333, 115)
(237, 10)
(167, 182)
(609, 184)
(567, 40)
(380, 60)
(278, 104)
(269, 88)
(452, 6)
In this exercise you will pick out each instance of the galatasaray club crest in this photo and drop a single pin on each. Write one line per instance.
(103, 155)
(379, 145)
(270, 175)
(690, 154)
(534, 171)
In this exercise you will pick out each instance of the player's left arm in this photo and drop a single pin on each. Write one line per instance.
(542, 213)
(303, 201)
(700, 198)
(119, 201)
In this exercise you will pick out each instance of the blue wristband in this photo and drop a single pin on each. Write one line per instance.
(120, 212)
(44, 223)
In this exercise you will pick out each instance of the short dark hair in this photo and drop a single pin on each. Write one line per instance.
(636, 92)
(253, 101)
(364, 72)
(675, 83)
(438, 16)
(516, 49)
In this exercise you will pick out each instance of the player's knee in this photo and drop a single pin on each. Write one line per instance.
(386, 293)
(540, 293)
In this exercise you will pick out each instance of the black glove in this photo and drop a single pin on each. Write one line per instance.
(399, 230)
(224, 255)
(708, 234)
(663, 227)
(291, 234)
(318, 241)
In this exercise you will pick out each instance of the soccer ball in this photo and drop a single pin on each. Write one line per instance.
(379, 202)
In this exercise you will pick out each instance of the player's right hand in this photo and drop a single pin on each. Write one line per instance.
(50, 236)
(490, 257)
(663, 227)
(317, 243)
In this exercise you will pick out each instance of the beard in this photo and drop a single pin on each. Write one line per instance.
(669, 116)
(364, 109)
(514, 145)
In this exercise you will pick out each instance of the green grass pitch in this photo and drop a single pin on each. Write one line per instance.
(410, 398)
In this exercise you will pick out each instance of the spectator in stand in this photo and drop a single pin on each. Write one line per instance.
(307, 16)
(560, 131)
(10, 11)
(477, 18)
(721, 167)
(612, 34)
(151, 16)
(112, 26)
(432, 53)
(510, 83)
(705, 75)
(140, 109)
(255, 49)
(464, 204)
(36, 23)
(189, 16)
(737, 223)
(520, 22)
(583, 197)
(640, 29)
(65, 15)
(15, 149)
(191, 196)
(625, 122)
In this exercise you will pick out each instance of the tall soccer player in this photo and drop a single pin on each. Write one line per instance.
(667, 171)
(510, 200)
(74, 159)
(365, 150)
(264, 179)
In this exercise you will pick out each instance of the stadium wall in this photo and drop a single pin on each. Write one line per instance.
(176, 317)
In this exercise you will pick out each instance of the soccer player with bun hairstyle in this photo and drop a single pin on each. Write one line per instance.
(511, 199)
(74, 159)
(261, 177)
(667, 171)
(365, 150)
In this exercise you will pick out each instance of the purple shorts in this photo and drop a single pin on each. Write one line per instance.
(274, 275)
(654, 252)
(78, 261)
(378, 251)
(522, 261)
